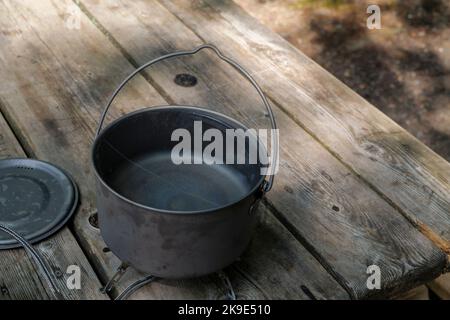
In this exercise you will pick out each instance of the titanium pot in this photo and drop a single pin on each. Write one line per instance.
(169, 220)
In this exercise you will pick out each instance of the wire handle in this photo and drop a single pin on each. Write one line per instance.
(239, 68)
(40, 262)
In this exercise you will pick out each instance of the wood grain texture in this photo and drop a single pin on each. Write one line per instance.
(396, 165)
(344, 223)
(58, 79)
(9, 146)
(270, 262)
(20, 278)
(441, 286)
(419, 293)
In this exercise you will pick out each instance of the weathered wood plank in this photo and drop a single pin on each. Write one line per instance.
(9, 146)
(270, 261)
(441, 286)
(419, 293)
(344, 222)
(19, 276)
(54, 105)
(396, 165)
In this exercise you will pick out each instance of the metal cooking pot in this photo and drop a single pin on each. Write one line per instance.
(168, 220)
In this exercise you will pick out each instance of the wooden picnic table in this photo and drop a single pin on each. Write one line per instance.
(354, 189)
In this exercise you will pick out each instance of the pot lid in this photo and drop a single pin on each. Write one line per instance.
(36, 199)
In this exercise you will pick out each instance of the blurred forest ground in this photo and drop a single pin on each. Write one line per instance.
(403, 69)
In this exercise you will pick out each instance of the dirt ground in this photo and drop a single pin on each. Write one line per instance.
(403, 69)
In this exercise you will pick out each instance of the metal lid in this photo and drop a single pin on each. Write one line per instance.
(36, 199)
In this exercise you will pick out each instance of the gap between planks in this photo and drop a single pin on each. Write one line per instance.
(122, 50)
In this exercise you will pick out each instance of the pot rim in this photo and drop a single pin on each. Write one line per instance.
(174, 212)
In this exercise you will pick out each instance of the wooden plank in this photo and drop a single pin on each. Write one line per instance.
(397, 166)
(441, 286)
(419, 293)
(344, 222)
(270, 262)
(56, 111)
(9, 146)
(19, 276)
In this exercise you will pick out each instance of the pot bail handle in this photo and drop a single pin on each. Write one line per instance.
(274, 159)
